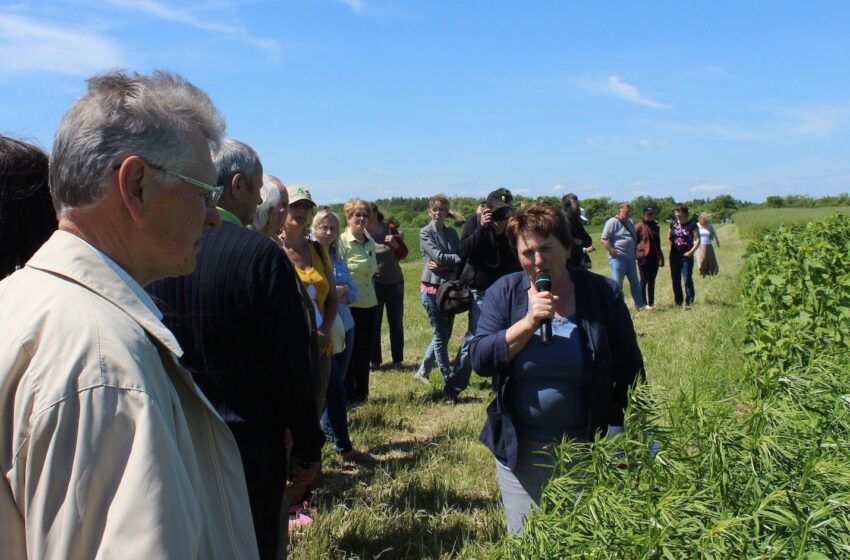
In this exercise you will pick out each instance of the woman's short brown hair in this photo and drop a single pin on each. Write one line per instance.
(353, 205)
(439, 197)
(542, 219)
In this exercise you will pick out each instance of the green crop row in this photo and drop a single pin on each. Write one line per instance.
(759, 470)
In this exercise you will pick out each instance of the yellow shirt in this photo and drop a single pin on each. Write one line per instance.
(317, 276)
(362, 264)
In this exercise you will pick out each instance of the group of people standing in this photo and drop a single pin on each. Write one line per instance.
(176, 347)
(637, 247)
(174, 357)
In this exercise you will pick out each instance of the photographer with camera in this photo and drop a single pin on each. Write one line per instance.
(488, 256)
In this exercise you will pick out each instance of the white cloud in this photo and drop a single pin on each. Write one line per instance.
(648, 145)
(27, 45)
(819, 122)
(708, 187)
(355, 5)
(167, 12)
(628, 92)
(558, 188)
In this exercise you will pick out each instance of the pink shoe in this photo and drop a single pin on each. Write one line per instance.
(300, 520)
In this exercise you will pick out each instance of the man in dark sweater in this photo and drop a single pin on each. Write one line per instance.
(239, 319)
(488, 256)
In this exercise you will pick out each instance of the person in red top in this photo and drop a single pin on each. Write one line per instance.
(389, 286)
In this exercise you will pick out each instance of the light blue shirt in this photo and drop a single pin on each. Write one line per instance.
(134, 286)
(342, 276)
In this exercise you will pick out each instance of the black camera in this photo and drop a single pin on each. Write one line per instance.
(501, 214)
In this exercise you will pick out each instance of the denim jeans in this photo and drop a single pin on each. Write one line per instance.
(463, 363)
(682, 268)
(626, 267)
(438, 349)
(390, 296)
(335, 415)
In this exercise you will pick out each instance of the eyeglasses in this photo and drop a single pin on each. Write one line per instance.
(213, 192)
(360, 215)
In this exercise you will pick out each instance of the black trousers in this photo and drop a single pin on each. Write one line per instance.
(357, 376)
(264, 461)
(648, 273)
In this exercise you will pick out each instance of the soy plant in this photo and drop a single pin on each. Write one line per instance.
(796, 296)
(762, 471)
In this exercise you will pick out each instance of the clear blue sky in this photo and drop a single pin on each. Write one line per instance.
(388, 97)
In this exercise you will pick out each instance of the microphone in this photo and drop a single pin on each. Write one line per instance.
(543, 283)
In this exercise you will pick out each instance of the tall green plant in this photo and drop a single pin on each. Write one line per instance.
(761, 471)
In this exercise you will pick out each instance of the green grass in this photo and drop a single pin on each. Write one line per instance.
(434, 493)
(754, 223)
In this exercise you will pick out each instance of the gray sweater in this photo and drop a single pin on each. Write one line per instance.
(442, 248)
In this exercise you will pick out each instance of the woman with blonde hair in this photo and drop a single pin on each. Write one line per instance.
(705, 257)
(326, 231)
(358, 250)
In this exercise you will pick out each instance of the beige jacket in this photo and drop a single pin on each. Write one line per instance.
(108, 448)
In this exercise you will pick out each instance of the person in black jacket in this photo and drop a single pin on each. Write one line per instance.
(576, 385)
(582, 242)
(239, 319)
(487, 256)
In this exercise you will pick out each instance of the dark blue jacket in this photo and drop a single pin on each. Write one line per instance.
(239, 321)
(612, 359)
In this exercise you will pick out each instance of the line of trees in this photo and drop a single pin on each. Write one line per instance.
(412, 211)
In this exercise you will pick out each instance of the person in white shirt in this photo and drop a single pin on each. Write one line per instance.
(706, 260)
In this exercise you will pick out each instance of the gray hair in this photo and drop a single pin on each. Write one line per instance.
(232, 157)
(271, 197)
(126, 114)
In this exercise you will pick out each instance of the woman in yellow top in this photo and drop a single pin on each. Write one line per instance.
(357, 248)
(315, 271)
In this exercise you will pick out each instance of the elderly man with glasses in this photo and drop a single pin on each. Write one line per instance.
(108, 448)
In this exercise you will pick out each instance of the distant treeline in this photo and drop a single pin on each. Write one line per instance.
(412, 212)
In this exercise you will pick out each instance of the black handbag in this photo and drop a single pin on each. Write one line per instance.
(454, 297)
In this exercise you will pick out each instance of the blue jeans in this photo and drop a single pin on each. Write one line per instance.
(682, 268)
(390, 296)
(463, 363)
(335, 416)
(622, 267)
(438, 350)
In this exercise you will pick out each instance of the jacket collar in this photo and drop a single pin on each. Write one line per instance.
(66, 255)
(348, 236)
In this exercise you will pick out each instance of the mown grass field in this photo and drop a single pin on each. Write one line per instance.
(433, 494)
(753, 223)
